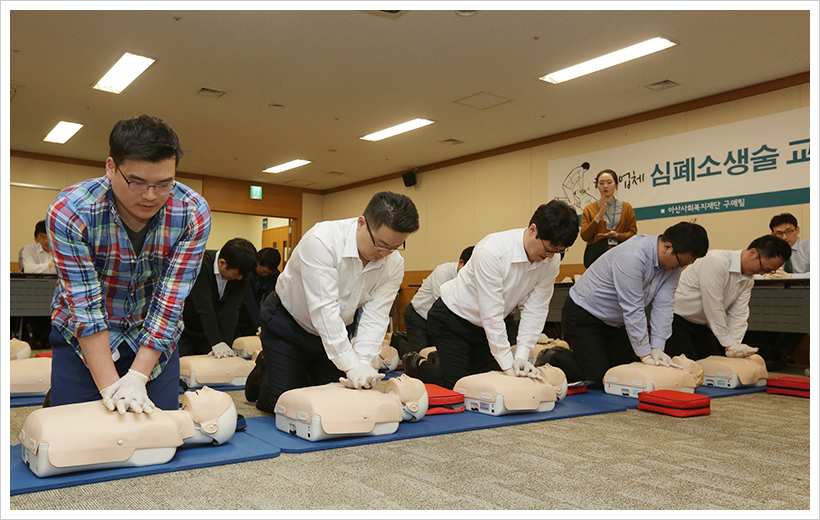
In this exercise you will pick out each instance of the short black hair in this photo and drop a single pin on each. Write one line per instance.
(557, 222)
(466, 254)
(269, 257)
(239, 253)
(143, 138)
(770, 246)
(40, 227)
(393, 210)
(783, 218)
(687, 237)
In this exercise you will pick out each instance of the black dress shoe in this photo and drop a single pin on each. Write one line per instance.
(254, 381)
(410, 362)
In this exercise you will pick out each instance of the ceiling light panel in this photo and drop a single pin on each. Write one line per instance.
(286, 166)
(62, 132)
(126, 70)
(609, 60)
(396, 130)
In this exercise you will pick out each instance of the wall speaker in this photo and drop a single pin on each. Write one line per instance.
(409, 178)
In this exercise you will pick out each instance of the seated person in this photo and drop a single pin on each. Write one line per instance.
(262, 282)
(334, 410)
(630, 379)
(712, 299)
(415, 314)
(604, 318)
(36, 258)
(59, 440)
(212, 307)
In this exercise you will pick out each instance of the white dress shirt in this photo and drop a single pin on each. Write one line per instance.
(622, 283)
(431, 287)
(498, 278)
(324, 283)
(33, 259)
(220, 281)
(713, 291)
(800, 256)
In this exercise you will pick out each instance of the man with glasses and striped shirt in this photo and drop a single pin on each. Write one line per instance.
(127, 248)
(338, 267)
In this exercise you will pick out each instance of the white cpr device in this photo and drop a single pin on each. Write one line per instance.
(330, 411)
(730, 372)
(204, 369)
(496, 393)
(633, 378)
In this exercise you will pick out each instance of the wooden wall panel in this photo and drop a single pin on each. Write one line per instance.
(234, 196)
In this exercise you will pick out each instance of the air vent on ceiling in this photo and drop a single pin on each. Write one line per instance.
(334, 173)
(211, 92)
(662, 85)
(300, 183)
(482, 100)
(452, 142)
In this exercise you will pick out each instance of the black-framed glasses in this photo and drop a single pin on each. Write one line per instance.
(141, 187)
(682, 264)
(785, 233)
(551, 251)
(377, 246)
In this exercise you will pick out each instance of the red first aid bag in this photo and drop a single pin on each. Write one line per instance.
(675, 403)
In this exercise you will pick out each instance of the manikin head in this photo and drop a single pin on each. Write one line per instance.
(213, 411)
(690, 366)
(413, 395)
(556, 377)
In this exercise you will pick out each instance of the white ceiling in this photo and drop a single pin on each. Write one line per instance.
(343, 74)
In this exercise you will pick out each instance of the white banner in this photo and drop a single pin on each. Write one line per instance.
(756, 163)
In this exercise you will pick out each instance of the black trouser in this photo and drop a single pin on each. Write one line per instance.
(772, 346)
(596, 346)
(294, 358)
(462, 348)
(692, 340)
(416, 328)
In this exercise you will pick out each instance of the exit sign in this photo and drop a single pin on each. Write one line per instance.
(256, 192)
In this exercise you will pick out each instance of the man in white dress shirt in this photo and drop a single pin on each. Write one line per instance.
(712, 299)
(415, 314)
(338, 267)
(515, 268)
(604, 318)
(36, 258)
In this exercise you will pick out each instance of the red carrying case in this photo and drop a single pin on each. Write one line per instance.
(675, 403)
(785, 385)
(442, 400)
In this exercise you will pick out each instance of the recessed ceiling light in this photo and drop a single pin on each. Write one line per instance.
(398, 129)
(286, 166)
(609, 60)
(126, 70)
(62, 132)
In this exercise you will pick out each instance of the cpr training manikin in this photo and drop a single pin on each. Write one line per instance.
(58, 440)
(632, 378)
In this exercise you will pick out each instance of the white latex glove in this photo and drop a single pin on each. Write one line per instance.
(740, 350)
(361, 376)
(523, 368)
(221, 350)
(777, 275)
(660, 358)
(259, 331)
(128, 393)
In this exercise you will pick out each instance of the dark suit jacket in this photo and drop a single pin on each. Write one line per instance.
(208, 318)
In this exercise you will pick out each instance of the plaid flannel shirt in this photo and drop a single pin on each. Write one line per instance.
(104, 285)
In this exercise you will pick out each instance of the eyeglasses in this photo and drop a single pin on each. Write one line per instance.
(785, 233)
(141, 187)
(381, 248)
(553, 252)
(682, 264)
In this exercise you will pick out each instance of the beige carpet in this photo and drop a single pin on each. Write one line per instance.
(751, 453)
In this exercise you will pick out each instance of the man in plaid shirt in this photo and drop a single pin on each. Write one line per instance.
(127, 248)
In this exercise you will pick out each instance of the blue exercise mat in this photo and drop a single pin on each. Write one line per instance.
(713, 391)
(16, 402)
(575, 405)
(242, 447)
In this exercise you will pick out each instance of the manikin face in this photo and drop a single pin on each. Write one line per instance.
(375, 244)
(136, 209)
(787, 232)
